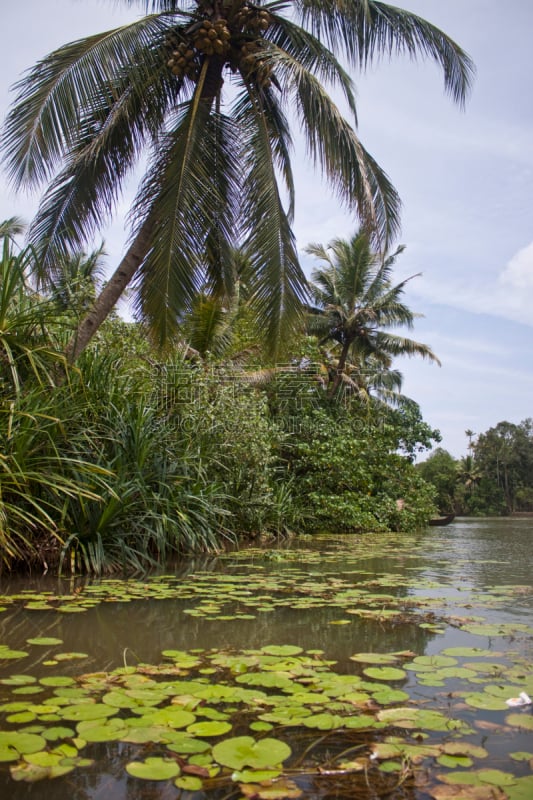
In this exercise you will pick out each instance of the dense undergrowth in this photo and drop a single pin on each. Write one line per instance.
(127, 458)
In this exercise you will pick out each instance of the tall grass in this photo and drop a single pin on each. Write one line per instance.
(158, 502)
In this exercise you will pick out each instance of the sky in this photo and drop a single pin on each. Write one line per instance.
(465, 177)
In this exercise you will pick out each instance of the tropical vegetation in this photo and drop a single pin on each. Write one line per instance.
(213, 418)
(356, 306)
(131, 458)
(495, 478)
(207, 93)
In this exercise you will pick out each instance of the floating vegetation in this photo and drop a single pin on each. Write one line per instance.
(281, 720)
(192, 725)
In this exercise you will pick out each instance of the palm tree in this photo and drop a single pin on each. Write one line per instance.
(356, 305)
(218, 164)
(74, 283)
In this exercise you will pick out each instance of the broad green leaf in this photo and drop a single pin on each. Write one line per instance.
(244, 751)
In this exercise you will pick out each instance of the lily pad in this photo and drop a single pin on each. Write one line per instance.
(87, 711)
(154, 769)
(517, 720)
(244, 751)
(374, 658)
(282, 650)
(45, 641)
(385, 673)
(209, 728)
(7, 653)
(19, 744)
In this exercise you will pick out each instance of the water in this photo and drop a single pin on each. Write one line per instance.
(343, 595)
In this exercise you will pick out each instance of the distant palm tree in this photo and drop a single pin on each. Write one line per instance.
(75, 280)
(356, 305)
(470, 434)
(87, 113)
(469, 473)
(11, 228)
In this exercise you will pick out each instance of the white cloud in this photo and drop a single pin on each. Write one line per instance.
(518, 272)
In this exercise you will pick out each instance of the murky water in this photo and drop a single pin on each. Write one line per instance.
(341, 595)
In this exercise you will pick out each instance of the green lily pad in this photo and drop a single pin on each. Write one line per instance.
(521, 755)
(374, 658)
(485, 701)
(18, 680)
(517, 720)
(255, 775)
(189, 783)
(387, 696)
(454, 761)
(209, 728)
(87, 711)
(70, 656)
(260, 726)
(153, 769)
(102, 730)
(522, 789)
(171, 717)
(494, 777)
(57, 732)
(435, 661)
(57, 680)
(187, 745)
(20, 743)
(464, 749)
(45, 641)
(323, 722)
(469, 652)
(282, 650)
(7, 653)
(385, 673)
(244, 751)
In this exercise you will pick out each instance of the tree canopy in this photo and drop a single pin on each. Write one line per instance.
(207, 93)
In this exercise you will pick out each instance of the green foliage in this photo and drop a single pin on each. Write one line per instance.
(494, 478)
(218, 162)
(350, 477)
(29, 324)
(357, 305)
(440, 469)
(126, 460)
(504, 456)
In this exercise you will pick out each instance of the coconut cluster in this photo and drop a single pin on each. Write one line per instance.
(213, 37)
(237, 39)
(251, 64)
(252, 19)
(183, 63)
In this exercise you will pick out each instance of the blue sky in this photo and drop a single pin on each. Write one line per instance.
(466, 182)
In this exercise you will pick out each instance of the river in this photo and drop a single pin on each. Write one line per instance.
(398, 654)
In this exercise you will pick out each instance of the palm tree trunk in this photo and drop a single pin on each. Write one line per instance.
(340, 369)
(110, 294)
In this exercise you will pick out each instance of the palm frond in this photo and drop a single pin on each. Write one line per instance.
(403, 346)
(191, 194)
(335, 148)
(208, 326)
(311, 53)
(12, 227)
(279, 285)
(62, 90)
(110, 140)
(367, 30)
